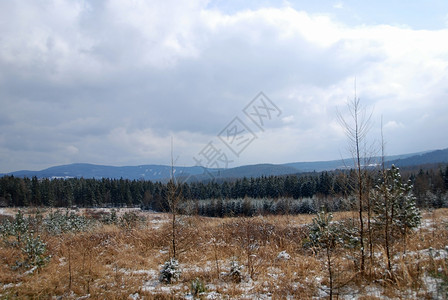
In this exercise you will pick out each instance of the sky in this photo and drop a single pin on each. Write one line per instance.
(221, 83)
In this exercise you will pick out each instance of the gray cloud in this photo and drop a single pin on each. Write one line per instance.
(109, 82)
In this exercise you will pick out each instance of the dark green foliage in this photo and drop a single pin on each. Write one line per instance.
(251, 207)
(395, 200)
(323, 233)
(170, 271)
(22, 232)
(58, 222)
(325, 188)
(16, 228)
(111, 218)
(129, 220)
(34, 250)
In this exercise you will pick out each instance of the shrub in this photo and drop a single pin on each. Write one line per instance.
(170, 271)
(197, 287)
(235, 272)
(111, 218)
(129, 220)
(17, 228)
(57, 223)
(34, 250)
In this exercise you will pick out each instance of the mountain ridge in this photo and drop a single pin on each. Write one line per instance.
(157, 172)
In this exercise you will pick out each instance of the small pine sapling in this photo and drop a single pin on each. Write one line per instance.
(235, 272)
(323, 235)
(170, 271)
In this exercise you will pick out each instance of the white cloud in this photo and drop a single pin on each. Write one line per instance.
(288, 119)
(338, 5)
(71, 150)
(393, 125)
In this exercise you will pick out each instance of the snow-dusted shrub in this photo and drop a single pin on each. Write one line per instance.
(111, 218)
(5, 229)
(235, 272)
(34, 250)
(129, 220)
(394, 203)
(170, 271)
(305, 206)
(323, 233)
(347, 233)
(17, 228)
(57, 223)
(325, 236)
(31, 245)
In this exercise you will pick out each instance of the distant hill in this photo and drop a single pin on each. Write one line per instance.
(247, 171)
(346, 163)
(144, 172)
(162, 172)
(436, 156)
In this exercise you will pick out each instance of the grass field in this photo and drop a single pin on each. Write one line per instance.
(122, 259)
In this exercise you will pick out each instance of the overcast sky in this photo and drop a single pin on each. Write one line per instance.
(110, 82)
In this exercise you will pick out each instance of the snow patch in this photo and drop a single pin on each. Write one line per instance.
(5, 212)
(283, 256)
(213, 295)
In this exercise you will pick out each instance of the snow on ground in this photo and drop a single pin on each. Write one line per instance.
(251, 289)
(6, 212)
(354, 293)
(428, 222)
(430, 252)
(433, 286)
(283, 256)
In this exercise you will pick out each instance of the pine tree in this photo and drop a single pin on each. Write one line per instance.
(323, 235)
(394, 206)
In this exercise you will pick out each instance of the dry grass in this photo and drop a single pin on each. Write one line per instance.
(111, 262)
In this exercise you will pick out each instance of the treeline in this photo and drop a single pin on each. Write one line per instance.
(430, 187)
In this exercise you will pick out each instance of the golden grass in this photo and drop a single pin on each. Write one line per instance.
(110, 262)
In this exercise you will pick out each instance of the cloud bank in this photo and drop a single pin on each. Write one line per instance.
(110, 82)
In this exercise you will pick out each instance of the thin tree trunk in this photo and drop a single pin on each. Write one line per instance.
(386, 202)
(360, 189)
(174, 234)
(69, 267)
(330, 271)
(173, 202)
(386, 231)
(357, 134)
(369, 230)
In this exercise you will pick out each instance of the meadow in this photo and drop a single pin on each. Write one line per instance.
(119, 254)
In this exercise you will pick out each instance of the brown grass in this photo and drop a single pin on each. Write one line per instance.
(111, 262)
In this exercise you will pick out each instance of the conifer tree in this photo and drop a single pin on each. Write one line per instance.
(394, 206)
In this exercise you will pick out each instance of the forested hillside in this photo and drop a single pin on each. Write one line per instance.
(430, 187)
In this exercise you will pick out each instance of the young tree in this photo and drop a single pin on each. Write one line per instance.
(356, 128)
(394, 206)
(323, 235)
(173, 198)
(170, 271)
